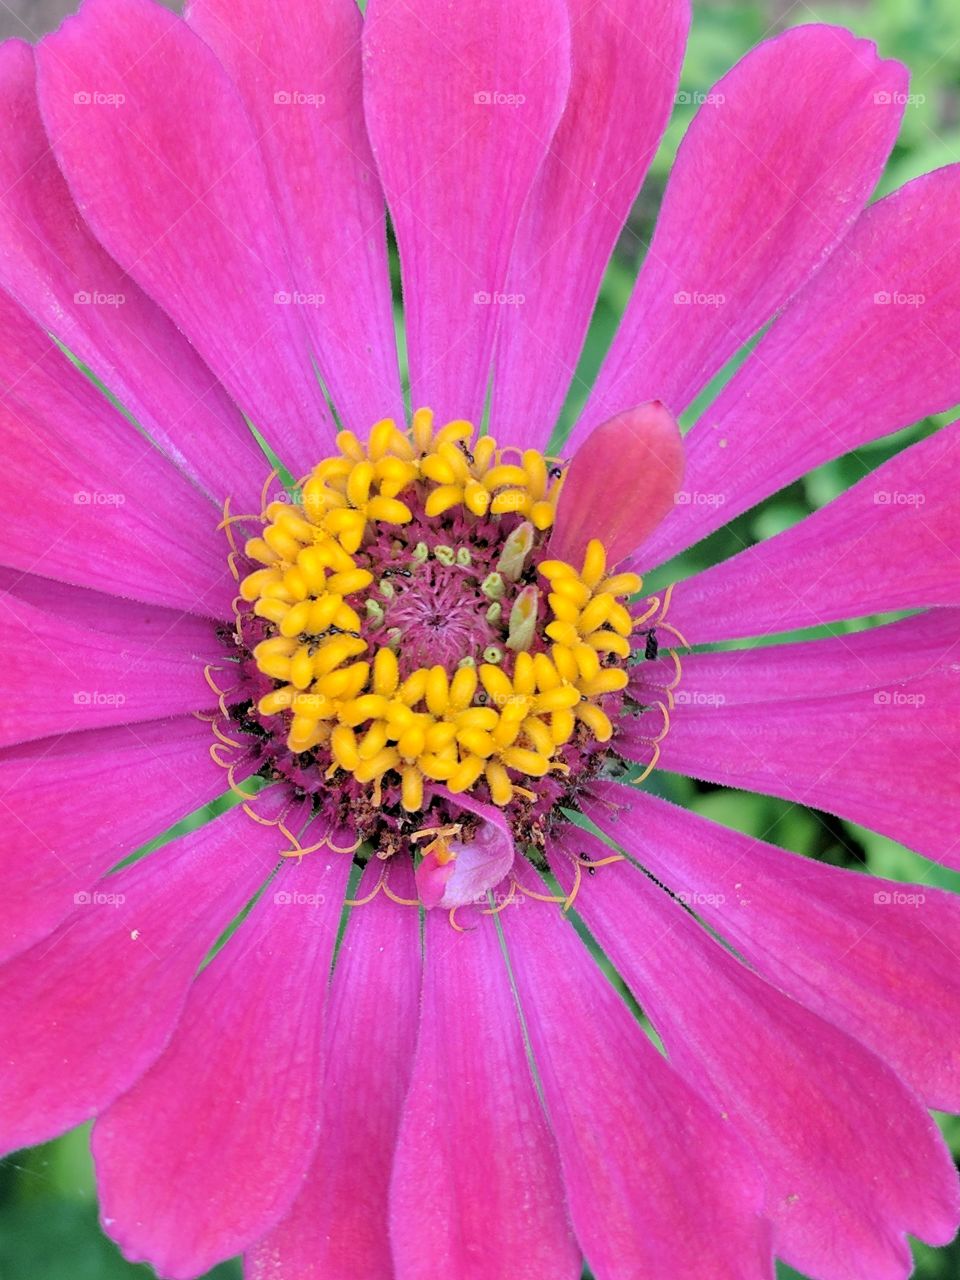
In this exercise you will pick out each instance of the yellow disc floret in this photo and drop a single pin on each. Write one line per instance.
(488, 722)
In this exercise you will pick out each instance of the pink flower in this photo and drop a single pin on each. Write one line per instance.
(430, 666)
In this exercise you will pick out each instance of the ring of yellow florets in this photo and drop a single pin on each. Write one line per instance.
(486, 725)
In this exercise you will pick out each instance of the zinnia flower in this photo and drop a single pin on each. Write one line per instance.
(426, 652)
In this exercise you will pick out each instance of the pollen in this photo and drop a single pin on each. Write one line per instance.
(413, 633)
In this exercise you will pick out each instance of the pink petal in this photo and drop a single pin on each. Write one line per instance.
(476, 867)
(338, 1224)
(656, 1183)
(210, 1147)
(476, 1190)
(626, 63)
(620, 485)
(51, 264)
(868, 347)
(283, 58)
(86, 1011)
(851, 1160)
(875, 958)
(87, 500)
(67, 816)
(431, 880)
(890, 542)
(183, 633)
(874, 659)
(461, 103)
(775, 168)
(171, 182)
(828, 1121)
(885, 757)
(62, 677)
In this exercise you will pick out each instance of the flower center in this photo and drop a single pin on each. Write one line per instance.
(408, 634)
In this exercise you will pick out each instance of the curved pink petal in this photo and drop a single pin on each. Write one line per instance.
(476, 866)
(461, 103)
(620, 484)
(775, 168)
(298, 69)
(876, 958)
(67, 815)
(851, 1160)
(337, 1228)
(85, 499)
(160, 155)
(183, 633)
(476, 1190)
(626, 63)
(62, 677)
(86, 1011)
(878, 658)
(890, 542)
(885, 757)
(52, 265)
(656, 1183)
(868, 347)
(210, 1147)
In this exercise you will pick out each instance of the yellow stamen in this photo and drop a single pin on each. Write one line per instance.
(498, 723)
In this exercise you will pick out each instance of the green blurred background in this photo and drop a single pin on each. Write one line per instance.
(48, 1216)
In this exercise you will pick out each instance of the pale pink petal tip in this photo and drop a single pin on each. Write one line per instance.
(458, 872)
(620, 485)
